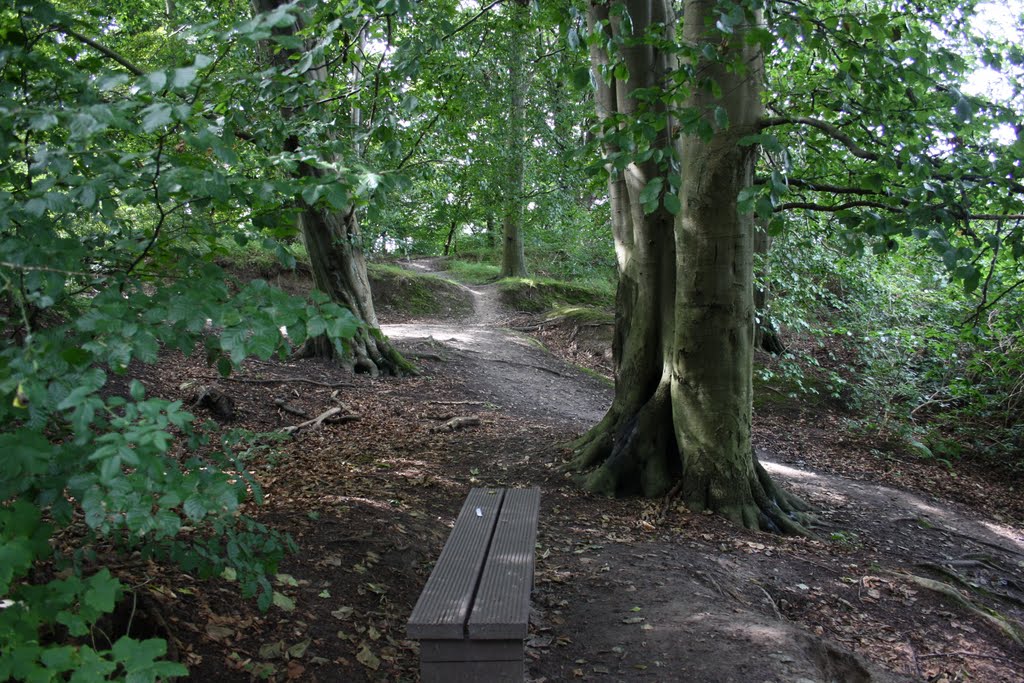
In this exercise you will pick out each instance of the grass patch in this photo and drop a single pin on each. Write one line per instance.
(404, 292)
(584, 315)
(535, 295)
(473, 272)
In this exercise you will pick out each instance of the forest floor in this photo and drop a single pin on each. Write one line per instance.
(916, 573)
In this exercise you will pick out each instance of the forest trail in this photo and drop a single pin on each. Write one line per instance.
(515, 372)
(626, 606)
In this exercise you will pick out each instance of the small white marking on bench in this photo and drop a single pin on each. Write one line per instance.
(479, 512)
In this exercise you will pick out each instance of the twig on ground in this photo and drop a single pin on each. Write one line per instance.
(284, 380)
(914, 658)
(771, 601)
(526, 365)
(979, 655)
(320, 419)
(283, 405)
(667, 502)
(457, 423)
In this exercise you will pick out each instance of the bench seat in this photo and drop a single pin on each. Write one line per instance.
(473, 614)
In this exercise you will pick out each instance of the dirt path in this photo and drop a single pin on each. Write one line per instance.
(630, 591)
(512, 371)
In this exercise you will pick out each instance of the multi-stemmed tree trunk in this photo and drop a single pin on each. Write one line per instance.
(681, 416)
(513, 259)
(334, 245)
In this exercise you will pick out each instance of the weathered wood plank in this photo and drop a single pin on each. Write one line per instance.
(501, 609)
(443, 606)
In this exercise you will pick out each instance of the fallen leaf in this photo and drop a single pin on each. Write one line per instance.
(295, 670)
(342, 613)
(297, 650)
(272, 650)
(219, 632)
(283, 601)
(285, 580)
(367, 658)
(633, 620)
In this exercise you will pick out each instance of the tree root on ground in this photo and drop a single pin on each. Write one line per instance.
(639, 455)
(1000, 622)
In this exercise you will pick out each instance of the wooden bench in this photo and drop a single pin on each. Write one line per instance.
(472, 616)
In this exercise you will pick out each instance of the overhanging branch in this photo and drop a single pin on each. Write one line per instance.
(832, 131)
(102, 49)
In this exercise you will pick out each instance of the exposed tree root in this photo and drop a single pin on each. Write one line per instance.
(640, 455)
(1000, 622)
(368, 352)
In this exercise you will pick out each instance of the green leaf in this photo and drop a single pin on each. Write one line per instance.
(672, 204)
(283, 601)
(581, 77)
(651, 190)
(155, 81)
(183, 77)
(721, 118)
(155, 116)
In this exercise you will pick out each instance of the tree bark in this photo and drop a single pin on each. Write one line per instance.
(513, 258)
(334, 244)
(684, 308)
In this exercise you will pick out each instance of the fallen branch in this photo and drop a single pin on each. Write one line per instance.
(283, 405)
(285, 380)
(978, 655)
(526, 365)
(771, 601)
(457, 423)
(320, 419)
(456, 403)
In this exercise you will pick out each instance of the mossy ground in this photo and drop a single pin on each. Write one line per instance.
(404, 293)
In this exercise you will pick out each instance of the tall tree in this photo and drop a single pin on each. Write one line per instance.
(684, 329)
(684, 308)
(330, 230)
(513, 259)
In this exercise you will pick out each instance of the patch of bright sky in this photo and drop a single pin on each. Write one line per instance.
(1001, 20)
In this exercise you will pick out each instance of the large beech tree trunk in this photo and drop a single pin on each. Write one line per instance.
(681, 416)
(334, 244)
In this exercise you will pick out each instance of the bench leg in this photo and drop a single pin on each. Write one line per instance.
(472, 672)
(471, 661)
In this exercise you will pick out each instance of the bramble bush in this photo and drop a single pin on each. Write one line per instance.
(116, 185)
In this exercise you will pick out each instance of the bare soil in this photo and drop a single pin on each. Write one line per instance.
(917, 572)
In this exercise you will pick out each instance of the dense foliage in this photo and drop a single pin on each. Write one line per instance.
(117, 184)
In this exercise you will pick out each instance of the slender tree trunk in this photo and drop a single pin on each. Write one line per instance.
(450, 241)
(766, 335)
(334, 244)
(684, 309)
(513, 259)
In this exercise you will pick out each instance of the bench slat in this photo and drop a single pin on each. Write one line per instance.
(443, 606)
(502, 606)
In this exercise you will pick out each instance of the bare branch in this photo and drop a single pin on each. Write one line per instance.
(102, 49)
(827, 128)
